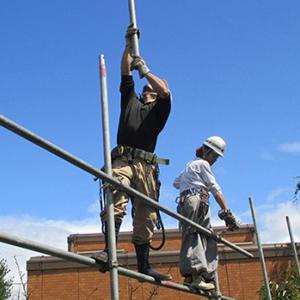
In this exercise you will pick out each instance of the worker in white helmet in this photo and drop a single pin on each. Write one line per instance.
(198, 254)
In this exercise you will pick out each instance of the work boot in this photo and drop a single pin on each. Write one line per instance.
(117, 230)
(142, 255)
(102, 256)
(199, 283)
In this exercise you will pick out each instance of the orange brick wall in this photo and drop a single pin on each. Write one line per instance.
(239, 277)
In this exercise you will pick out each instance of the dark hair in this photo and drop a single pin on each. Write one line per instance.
(148, 87)
(200, 151)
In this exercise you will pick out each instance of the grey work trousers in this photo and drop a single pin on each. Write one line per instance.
(198, 253)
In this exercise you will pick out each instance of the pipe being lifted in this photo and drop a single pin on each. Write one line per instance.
(21, 131)
(135, 51)
(70, 256)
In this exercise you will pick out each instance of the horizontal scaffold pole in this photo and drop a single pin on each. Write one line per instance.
(21, 131)
(85, 260)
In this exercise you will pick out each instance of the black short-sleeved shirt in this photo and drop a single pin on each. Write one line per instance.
(140, 124)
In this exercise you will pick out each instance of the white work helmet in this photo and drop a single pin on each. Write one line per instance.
(216, 143)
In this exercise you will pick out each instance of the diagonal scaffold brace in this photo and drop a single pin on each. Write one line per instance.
(35, 139)
(88, 261)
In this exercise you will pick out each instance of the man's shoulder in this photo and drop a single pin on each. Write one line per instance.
(199, 163)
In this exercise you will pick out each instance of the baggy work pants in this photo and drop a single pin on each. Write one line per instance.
(198, 254)
(141, 176)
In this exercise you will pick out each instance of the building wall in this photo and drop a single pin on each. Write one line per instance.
(240, 278)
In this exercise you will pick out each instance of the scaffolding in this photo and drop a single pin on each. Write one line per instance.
(35, 246)
(107, 177)
(17, 241)
(115, 269)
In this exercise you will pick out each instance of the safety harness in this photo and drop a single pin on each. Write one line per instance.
(150, 158)
(133, 153)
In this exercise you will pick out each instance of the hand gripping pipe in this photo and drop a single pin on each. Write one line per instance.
(135, 51)
(85, 260)
(21, 131)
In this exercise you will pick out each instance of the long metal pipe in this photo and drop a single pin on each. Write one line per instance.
(217, 284)
(135, 51)
(114, 281)
(293, 246)
(39, 247)
(260, 249)
(21, 131)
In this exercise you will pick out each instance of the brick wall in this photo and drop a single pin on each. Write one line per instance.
(240, 277)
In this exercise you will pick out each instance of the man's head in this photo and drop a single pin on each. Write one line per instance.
(212, 148)
(148, 94)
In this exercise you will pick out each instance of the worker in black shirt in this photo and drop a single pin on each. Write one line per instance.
(134, 163)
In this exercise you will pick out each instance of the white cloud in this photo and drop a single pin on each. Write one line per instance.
(271, 220)
(274, 226)
(48, 232)
(293, 148)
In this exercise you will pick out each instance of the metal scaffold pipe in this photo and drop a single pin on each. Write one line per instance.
(21, 131)
(260, 249)
(39, 247)
(114, 281)
(293, 246)
(135, 51)
(217, 283)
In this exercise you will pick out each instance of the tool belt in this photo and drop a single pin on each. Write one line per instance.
(193, 192)
(150, 158)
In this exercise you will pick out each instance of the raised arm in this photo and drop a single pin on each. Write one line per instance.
(126, 58)
(159, 85)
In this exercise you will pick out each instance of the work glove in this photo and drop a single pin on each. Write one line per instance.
(139, 64)
(131, 31)
(229, 219)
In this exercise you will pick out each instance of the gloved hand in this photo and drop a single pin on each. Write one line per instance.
(229, 219)
(139, 64)
(131, 31)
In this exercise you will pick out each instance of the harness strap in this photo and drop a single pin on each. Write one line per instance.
(149, 157)
(192, 191)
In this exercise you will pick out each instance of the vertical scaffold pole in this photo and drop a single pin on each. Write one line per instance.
(135, 51)
(261, 253)
(293, 246)
(114, 283)
(217, 283)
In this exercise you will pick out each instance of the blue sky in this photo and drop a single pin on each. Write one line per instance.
(233, 68)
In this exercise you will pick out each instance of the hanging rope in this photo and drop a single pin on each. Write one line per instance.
(159, 225)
